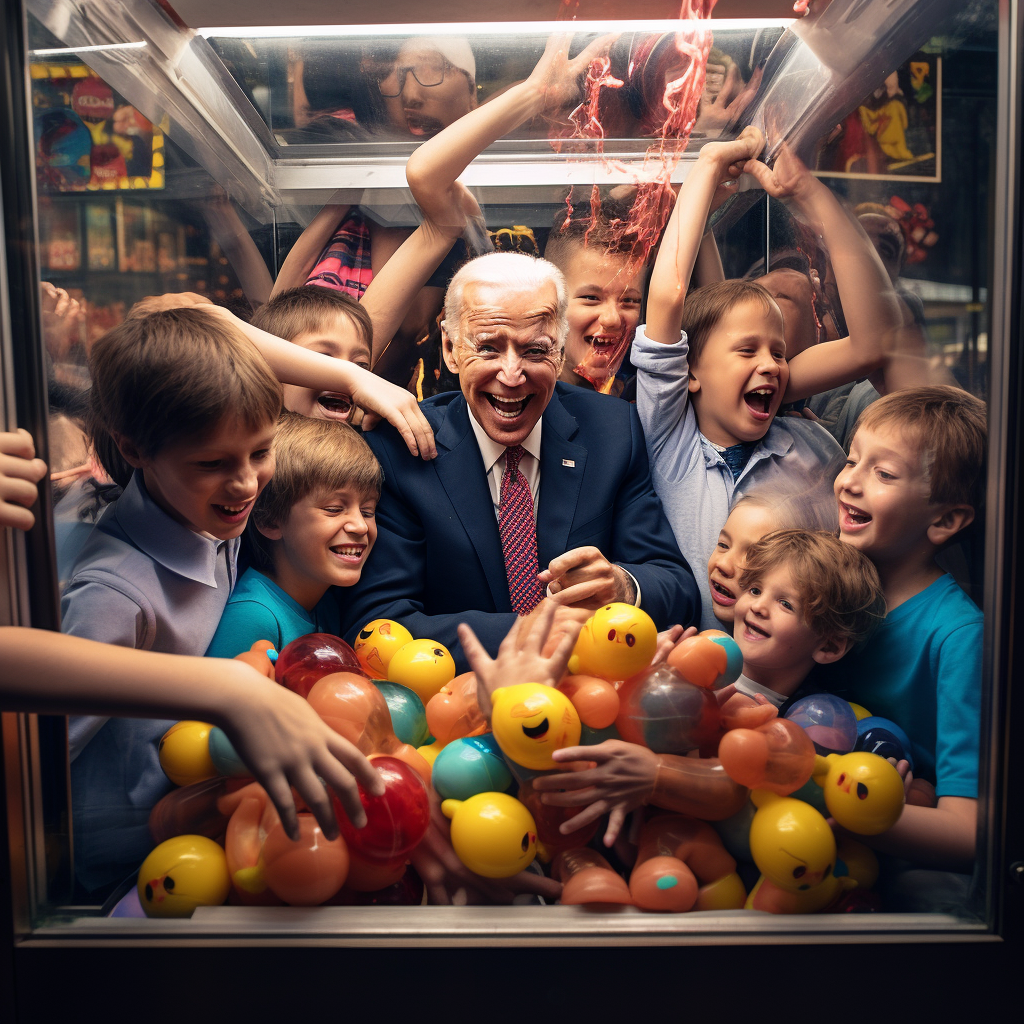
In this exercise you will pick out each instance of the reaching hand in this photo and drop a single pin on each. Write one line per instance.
(20, 472)
(669, 639)
(622, 780)
(726, 106)
(381, 399)
(730, 158)
(61, 316)
(521, 657)
(556, 77)
(286, 744)
(788, 179)
(584, 578)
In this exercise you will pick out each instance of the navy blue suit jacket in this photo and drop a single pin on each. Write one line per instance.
(438, 559)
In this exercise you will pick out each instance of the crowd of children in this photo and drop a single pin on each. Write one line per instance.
(821, 562)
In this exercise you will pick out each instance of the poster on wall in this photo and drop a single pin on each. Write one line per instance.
(895, 134)
(88, 137)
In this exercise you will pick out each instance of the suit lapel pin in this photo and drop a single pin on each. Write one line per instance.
(569, 462)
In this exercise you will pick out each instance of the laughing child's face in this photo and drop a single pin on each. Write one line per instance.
(737, 382)
(342, 341)
(209, 483)
(747, 524)
(604, 309)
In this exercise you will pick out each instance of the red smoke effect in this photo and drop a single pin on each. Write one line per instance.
(671, 125)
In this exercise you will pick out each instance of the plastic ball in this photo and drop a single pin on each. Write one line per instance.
(408, 716)
(377, 642)
(616, 642)
(395, 822)
(549, 820)
(531, 722)
(596, 700)
(661, 710)
(181, 874)
(307, 871)
(883, 737)
(224, 756)
(369, 876)
(453, 711)
(422, 665)
(713, 661)
(860, 711)
(309, 658)
(778, 756)
(863, 792)
(734, 831)
(791, 843)
(406, 892)
(493, 834)
(591, 737)
(828, 720)
(470, 765)
(811, 793)
(185, 753)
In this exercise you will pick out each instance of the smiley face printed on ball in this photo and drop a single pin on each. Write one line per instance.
(422, 665)
(863, 792)
(616, 642)
(377, 642)
(532, 721)
(181, 874)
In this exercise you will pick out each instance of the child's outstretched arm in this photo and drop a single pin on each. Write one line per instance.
(302, 256)
(279, 736)
(20, 473)
(682, 239)
(869, 302)
(382, 400)
(433, 168)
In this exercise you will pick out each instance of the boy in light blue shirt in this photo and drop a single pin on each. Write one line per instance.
(312, 529)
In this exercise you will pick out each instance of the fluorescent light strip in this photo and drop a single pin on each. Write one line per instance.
(480, 28)
(86, 49)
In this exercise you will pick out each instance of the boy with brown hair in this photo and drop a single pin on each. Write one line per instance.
(912, 482)
(312, 529)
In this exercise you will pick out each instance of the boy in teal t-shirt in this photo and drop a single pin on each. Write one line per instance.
(312, 529)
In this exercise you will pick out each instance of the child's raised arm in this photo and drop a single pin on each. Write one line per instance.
(278, 735)
(682, 239)
(869, 302)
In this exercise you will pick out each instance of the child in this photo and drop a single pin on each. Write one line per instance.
(190, 406)
(321, 320)
(752, 516)
(312, 529)
(805, 600)
(912, 482)
(707, 398)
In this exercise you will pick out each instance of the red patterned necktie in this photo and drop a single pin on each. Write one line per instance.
(518, 535)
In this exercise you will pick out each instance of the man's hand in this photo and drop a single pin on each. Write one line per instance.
(584, 578)
(521, 657)
(556, 78)
(622, 780)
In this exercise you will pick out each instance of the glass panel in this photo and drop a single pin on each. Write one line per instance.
(195, 165)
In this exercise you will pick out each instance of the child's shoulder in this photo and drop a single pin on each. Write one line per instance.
(944, 606)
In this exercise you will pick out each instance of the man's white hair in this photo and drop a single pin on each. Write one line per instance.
(513, 270)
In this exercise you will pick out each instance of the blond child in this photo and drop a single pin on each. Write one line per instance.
(312, 529)
(712, 366)
(805, 600)
(912, 482)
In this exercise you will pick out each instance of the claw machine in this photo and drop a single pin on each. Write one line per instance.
(169, 146)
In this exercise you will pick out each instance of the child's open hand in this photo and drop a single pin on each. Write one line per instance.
(285, 744)
(380, 399)
(622, 780)
(521, 657)
(20, 472)
(556, 77)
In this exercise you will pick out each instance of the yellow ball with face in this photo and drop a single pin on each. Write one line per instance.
(181, 874)
(863, 792)
(531, 721)
(616, 642)
(377, 643)
(493, 834)
(184, 752)
(791, 842)
(422, 665)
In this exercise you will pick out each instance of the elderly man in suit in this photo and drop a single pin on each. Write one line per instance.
(536, 484)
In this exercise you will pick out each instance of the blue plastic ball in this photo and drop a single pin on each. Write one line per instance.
(828, 720)
(408, 715)
(734, 660)
(883, 737)
(470, 765)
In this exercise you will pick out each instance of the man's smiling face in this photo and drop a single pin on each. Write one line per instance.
(507, 355)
